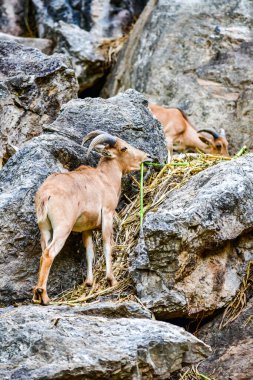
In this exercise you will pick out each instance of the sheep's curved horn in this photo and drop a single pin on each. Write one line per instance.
(104, 138)
(91, 135)
(222, 133)
(211, 131)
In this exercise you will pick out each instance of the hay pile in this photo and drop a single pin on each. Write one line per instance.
(236, 306)
(127, 227)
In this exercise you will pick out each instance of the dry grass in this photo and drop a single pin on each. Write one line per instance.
(127, 228)
(110, 48)
(235, 307)
(192, 373)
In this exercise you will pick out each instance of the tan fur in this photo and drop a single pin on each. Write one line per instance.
(82, 200)
(178, 129)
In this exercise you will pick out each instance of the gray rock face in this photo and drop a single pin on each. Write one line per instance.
(49, 343)
(33, 87)
(104, 18)
(197, 244)
(194, 55)
(126, 116)
(232, 346)
(43, 44)
(83, 29)
(108, 309)
(90, 62)
(12, 16)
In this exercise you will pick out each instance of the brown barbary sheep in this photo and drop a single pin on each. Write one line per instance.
(177, 128)
(81, 201)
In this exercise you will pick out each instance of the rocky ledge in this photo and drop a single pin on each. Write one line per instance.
(62, 343)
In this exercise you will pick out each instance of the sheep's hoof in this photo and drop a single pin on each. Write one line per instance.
(40, 297)
(112, 281)
(89, 283)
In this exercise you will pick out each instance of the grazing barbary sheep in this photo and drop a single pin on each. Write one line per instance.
(83, 200)
(177, 128)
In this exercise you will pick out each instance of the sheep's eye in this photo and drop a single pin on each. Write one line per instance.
(124, 149)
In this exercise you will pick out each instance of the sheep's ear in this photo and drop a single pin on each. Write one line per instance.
(205, 140)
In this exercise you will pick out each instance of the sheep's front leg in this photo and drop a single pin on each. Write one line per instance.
(170, 149)
(88, 244)
(107, 230)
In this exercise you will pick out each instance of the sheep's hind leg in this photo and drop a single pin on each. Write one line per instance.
(60, 235)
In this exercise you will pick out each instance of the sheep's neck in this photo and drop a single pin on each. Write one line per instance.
(113, 172)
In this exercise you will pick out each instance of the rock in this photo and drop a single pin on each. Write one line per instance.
(12, 16)
(197, 244)
(180, 57)
(115, 17)
(104, 19)
(51, 343)
(86, 32)
(33, 87)
(125, 115)
(58, 149)
(90, 62)
(108, 309)
(232, 347)
(43, 44)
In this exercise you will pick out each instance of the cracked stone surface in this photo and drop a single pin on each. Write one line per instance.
(33, 87)
(195, 55)
(86, 32)
(232, 347)
(62, 343)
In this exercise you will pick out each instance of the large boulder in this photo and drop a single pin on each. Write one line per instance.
(63, 343)
(57, 150)
(33, 87)
(197, 243)
(195, 55)
(232, 347)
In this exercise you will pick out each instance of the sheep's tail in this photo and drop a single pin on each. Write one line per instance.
(42, 207)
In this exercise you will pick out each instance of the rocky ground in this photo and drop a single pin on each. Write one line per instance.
(60, 343)
(196, 248)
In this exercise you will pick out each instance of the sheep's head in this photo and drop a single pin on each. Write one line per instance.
(217, 143)
(112, 147)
